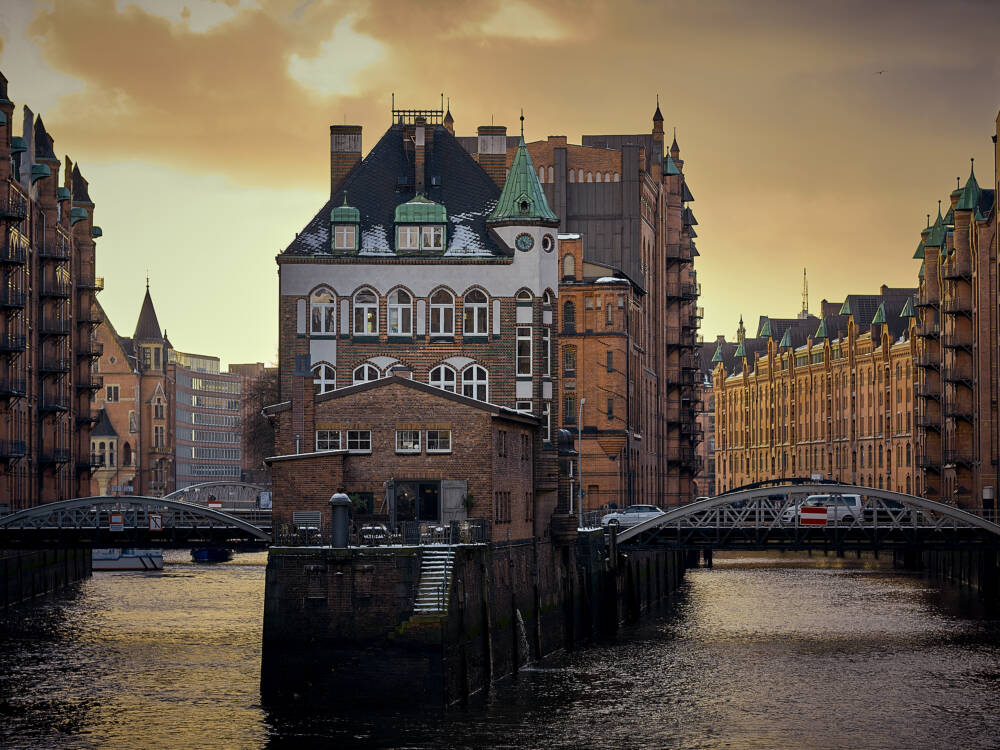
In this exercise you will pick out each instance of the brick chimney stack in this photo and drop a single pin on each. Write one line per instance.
(492, 151)
(345, 153)
(419, 167)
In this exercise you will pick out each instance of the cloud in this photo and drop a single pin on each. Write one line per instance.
(334, 69)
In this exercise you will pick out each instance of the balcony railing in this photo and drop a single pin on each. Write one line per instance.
(160, 450)
(957, 340)
(932, 361)
(925, 300)
(677, 253)
(957, 306)
(54, 456)
(58, 251)
(88, 317)
(928, 460)
(90, 349)
(13, 387)
(10, 449)
(929, 391)
(929, 331)
(13, 253)
(959, 375)
(689, 291)
(958, 457)
(90, 383)
(54, 402)
(956, 272)
(14, 207)
(54, 365)
(13, 298)
(96, 284)
(958, 411)
(84, 419)
(55, 289)
(55, 327)
(929, 422)
(13, 342)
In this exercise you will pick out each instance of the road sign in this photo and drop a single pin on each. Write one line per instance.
(214, 503)
(116, 522)
(155, 522)
(812, 516)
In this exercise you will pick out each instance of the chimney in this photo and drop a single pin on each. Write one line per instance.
(492, 152)
(345, 153)
(418, 153)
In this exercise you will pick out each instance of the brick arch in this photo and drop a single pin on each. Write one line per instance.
(525, 289)
(362, 287)
(322, 287)
(447, 288)
(479, 287)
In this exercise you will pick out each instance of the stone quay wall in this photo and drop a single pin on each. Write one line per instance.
(977, 569)
(339, 624)
(25, 575)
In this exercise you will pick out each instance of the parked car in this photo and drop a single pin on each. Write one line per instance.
(631, 515)
(840, 509)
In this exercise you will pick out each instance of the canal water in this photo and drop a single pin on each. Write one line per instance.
(759, 652)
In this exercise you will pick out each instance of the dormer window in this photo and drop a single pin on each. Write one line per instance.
(344, 221)
(408, 238)
(432, 238)
(421, 226)
(345, 237)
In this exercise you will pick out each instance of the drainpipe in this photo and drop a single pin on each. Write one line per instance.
(579, 459)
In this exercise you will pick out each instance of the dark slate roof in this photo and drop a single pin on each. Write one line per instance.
(147, 328)
(654, 152)
(707, 351)
(127, 345)
(43, 143)
(374, 188)
(864, 307)
(80, 192)
(103, 428)
(471, 142)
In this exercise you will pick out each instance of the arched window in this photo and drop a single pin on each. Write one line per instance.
(880, 456)
(907, 484)
(443, 377)
(569, 266)
(365, 313)
(442, 313)
(324, 378)
(523, 296)
(569, 316)
(111, 453)
(475, 383)
(323, 312)
(547, 298)
(607, 176)
(597, 177)
(618, 177)
(551, 175)
(365, 374)
(400, 313)
(127, 455)
(101, 453)
(569, 360)
(590, 177)
(579, 175)
(572, 176)
(541, 174)
(475, 313)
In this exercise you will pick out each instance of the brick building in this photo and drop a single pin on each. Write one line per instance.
(705, 418)
(409, 451)
(830, 396)
(47, 305)
(957, 354)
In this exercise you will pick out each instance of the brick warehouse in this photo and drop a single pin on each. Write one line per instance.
(49, 312)
(425, 259)
(830, 395)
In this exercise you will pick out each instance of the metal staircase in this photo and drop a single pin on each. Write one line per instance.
(435, 581)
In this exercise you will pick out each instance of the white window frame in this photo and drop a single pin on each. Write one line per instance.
(361, 440)
(432, 237)
(546, 352)
(474, 379)
(547, 421)
(413, 447)
(476, 315)
(368, 317)
(524, 407)
(322, 313)
(408, 237)
(399, 313)
(436, 378)
(345, 236)
(436, 441)
(441, 313)
(366, 369)
(524, 361)
(322, 378)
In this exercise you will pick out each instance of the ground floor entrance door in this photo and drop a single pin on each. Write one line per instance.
(418, 501)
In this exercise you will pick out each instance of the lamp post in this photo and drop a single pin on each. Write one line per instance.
(579, 461)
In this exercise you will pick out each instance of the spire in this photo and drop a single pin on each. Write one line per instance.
(879, 314)
(148, 327)
(845, 309)
(741, 332)
(741, 350)
(765, 329)
(805, 296)
(821, 331)
(717, 357)
(670, 166)
(920, 251)
(908, 311)
(675, 150)
(657, 116)
(449, 121)
(522, 200)
(786, 339)
(43, 143)
(969, 199)
(80, 192)
(936, 236)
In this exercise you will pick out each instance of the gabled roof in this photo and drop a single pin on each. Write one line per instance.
(879, 315)
(147, 328)
(385, 180)
(80, 192)
(103, 428)
(43, 143)
(522, 199)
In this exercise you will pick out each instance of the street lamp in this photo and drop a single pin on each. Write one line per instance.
(579, 461)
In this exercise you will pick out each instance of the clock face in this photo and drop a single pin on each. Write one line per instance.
(525, 242)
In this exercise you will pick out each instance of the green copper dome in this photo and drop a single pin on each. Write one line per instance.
(419, 210)
(63, 194)
(38, 171)
(522, 200)
(17, 145)
(344, 214)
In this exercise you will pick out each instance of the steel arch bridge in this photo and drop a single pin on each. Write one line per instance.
(771, 517)
(124, 522)
(230, 494)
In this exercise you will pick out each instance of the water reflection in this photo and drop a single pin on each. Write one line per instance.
(758, 652)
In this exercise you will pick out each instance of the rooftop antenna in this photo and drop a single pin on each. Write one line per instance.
(442, 100)
(522, 123)
(147, 279)
(805, 296)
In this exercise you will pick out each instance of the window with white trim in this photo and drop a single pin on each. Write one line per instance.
(324, 378)
(365, 313)
(408, 238)
(524, 350)
(400, 313)
(547, 421)
(475, 313)
(365, 374)
(328, 440)
(407, 441)
(359, 441)
(439, 441)
(546, 352)
(443, 377)
(523, 406)
(442, 313)
(323, 312)
(345, 237)
(433, 237)
(475, 383)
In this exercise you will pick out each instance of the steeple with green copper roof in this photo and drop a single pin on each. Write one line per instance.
(717, 357)
(741, 350)
(765, 329)
(522, 200)
(821, 331)
(845, 309)
(879, 315)
(936, 236)
(908, 311)
(920, 251)
(786, 339)
(969, 200)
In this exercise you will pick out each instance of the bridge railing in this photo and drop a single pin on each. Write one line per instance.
(404, 534)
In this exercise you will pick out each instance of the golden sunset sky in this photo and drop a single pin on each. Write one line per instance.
(814, 134)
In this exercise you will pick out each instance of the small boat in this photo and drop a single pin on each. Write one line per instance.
(127, 559)
(211, 554)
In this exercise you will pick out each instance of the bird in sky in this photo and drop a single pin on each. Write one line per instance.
(878, 72)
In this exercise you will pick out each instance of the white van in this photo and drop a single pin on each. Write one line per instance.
(840, 509)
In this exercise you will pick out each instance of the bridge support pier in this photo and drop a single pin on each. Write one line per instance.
(706, 557)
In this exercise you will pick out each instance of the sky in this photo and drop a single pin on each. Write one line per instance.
(814, 134)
